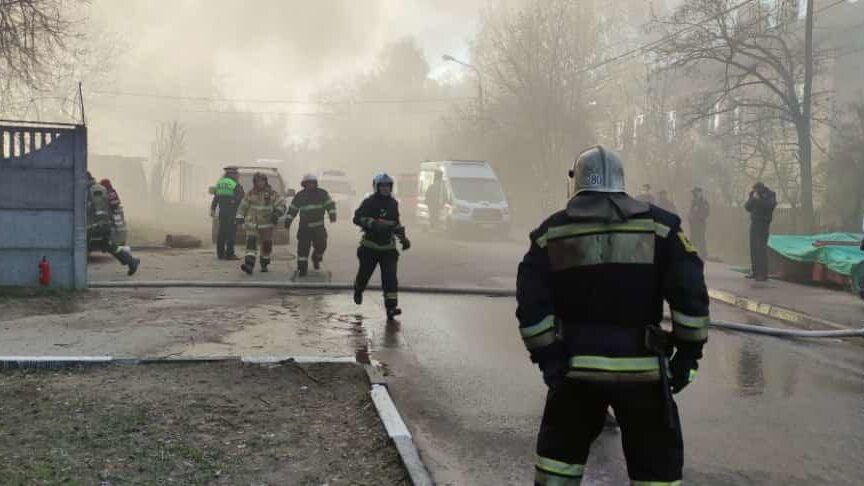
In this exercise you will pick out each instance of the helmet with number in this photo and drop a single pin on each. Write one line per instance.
(381, 179)
(309, 179)
(597, 170)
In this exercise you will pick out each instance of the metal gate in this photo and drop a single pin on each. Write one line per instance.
(43, 202)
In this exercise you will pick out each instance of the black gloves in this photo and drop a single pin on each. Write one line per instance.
(683, 369)
(406, 244)
(332, 217)
(554, 361)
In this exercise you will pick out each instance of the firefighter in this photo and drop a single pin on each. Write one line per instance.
(378, 217)
(100, 224)
(700, 209)
(228, 195)
(310, 203)
(590, 297)
(259, 212)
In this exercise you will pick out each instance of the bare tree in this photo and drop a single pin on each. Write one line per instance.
(36, 36)
(166, 152)
(754, 61)
(533, 63)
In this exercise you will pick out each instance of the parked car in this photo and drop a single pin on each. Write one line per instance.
(274, 178)
(341, 191)
(471, 197)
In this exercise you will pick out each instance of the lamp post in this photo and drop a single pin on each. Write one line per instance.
(450, 58)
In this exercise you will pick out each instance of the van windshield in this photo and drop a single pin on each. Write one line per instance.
(477, 190)
(274, 181)
(337, 187)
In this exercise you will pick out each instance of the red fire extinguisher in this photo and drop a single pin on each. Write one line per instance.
(44, 272)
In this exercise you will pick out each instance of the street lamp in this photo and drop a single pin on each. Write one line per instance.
(449, 58)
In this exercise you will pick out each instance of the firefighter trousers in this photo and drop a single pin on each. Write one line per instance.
(388, 260)
(575, 415)
(255, 237)
(314, 240)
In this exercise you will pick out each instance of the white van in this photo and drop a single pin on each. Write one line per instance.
(468, 196)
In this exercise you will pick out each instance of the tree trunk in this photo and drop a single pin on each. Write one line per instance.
(805, 146)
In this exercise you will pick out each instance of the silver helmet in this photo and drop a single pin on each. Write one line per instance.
(597, 170)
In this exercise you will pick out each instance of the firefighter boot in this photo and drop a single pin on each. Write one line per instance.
(248, 265)
(127, 260)
(264, 262)
(316, 262)
(392, 312)
(358, 296)
(302, 268)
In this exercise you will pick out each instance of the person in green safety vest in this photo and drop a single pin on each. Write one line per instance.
(226, 198)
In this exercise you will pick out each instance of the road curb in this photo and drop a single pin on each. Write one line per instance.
(401, 437)
(775, 312)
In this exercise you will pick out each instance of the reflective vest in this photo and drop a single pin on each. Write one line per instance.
(226, 187)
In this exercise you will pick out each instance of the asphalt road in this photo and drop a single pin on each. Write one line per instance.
(764, 410)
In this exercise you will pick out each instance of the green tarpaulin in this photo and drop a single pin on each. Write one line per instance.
(844, 260)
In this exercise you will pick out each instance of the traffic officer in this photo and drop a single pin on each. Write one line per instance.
(226, 198)
(259, 211)
(378, 217)
(310, 203)
(100, 225)
(590, 297)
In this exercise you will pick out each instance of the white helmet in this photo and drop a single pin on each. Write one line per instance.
(597, 170)
(309, 178)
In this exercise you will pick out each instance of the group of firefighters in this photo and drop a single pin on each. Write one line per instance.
(260, 210)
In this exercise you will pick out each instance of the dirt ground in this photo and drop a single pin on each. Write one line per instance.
(215, 423)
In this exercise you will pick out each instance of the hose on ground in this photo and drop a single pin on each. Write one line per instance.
(473, 291)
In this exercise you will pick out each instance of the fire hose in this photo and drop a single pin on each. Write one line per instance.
(458, 291)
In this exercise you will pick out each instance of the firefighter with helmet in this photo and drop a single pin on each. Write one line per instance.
(590, 295)
(311, 204)
(259, 212)
(100, 225)
(378, 218)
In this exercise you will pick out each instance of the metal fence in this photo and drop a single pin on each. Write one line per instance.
(43, 201)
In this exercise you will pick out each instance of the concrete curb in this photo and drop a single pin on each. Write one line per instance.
(775, 312)
(384, 405)
(400, 436)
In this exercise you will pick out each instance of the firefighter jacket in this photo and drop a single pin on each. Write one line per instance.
(597, 274)
(310, 205)
(228, 195)
(261, 208)
(378, 217)
(99, 212)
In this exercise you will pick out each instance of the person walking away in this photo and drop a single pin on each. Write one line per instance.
(646, 195)
(226, 199)
(760, 205)
(310, 204)
(665, 202)
(378, 218)
(100, 223)
(590, 295)
(698, 219)
(259, 211)
(434, 198)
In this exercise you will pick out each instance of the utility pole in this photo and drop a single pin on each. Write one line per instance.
(804, 130)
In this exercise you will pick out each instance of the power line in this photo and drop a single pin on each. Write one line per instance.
(279, 101)
(664, 39)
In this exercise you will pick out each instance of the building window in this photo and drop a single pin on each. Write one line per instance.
(737, 120)
(638, 121)
(619, 134)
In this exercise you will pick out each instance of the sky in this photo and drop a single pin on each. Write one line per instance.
(256, 49)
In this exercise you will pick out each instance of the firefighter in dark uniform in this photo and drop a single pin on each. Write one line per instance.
(378, 217)
(590, 293)
(310, 203)
(227, 198)
(100, 225)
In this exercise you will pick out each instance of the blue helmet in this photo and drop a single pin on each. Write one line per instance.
(381, 179)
